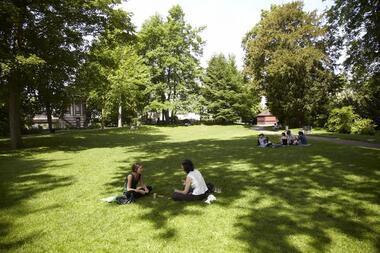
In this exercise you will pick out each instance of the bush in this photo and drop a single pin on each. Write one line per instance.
(341, 120)
(363, 126)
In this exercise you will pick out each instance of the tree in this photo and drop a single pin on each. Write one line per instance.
(27, 27)
(103, 60)
(172, 49)
(355, 30)
(285, 56)
(129, 82)
(225, 95)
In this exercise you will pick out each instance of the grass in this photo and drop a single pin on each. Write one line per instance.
(356, 137)
(322, 198)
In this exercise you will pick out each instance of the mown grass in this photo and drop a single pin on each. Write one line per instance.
(322, 198)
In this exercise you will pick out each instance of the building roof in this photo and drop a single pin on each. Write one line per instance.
(264, 113)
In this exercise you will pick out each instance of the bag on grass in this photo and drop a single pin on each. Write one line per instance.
(210, 188)
(125, 199)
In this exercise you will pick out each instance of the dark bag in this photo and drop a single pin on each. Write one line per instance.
(125, 199)
(210, 188)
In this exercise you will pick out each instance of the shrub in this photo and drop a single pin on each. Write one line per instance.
(363, 126)
(341, 119)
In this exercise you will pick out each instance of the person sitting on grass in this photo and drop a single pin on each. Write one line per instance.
(292, 140)
(302, 138)
(131, 191)
(195, 187)
(263, 141)
(284, 139)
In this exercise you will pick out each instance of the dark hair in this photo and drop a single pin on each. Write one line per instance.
(283, 134)
(136, 166)
(187, 165)
(288, 132)
(300, 133)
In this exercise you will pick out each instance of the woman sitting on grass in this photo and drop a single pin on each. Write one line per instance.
(195, 187)
(284, 139)
(131, 191)
(292, 140)
(263, 141)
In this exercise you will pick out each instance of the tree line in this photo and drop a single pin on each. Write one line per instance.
(53, 51)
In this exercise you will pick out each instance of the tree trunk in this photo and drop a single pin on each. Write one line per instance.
(86, 116)
(14, 114)
(49, 119)
(120, 119)
(102, 118)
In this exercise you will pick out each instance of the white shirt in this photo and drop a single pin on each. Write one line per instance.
(197, 182)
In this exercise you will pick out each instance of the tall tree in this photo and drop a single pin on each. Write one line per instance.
(224, 93)
(285, 56)
(28, 26)
(129, 82)
(103, 59)
(355, 30)
(172, 49)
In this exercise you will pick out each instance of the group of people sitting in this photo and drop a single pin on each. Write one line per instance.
(194, 185)
(287, 138)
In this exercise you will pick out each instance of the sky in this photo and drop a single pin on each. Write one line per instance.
(226, 21)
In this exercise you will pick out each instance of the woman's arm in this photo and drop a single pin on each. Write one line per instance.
(187, 186)
(143, 185)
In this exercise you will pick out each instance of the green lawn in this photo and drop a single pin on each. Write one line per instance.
(322, 198)
(356, 137)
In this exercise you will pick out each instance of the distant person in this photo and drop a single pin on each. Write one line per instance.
(195, 187)
(131, 189)
(302, 138)
(284, 139)
(263, 141)
(292, 140)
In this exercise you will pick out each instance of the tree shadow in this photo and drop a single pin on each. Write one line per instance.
(311, 189)
(288, 192)
(77, 140)
(22, 179)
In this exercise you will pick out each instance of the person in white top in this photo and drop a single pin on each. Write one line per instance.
(195, 187)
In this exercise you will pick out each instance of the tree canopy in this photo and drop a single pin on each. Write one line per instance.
(355, 32)
(225, 94)
(285, 57)
(171, 48)
(49, 36)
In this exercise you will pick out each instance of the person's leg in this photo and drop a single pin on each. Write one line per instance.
(187, 197)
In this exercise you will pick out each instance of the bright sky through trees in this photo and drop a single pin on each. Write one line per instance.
(227, 21)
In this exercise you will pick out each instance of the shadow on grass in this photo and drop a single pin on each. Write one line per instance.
(78, 140)
(22, 178)
(304, 192)
(288, 193)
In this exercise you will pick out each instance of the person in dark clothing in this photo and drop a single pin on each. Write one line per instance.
(302, 138)
(131, 189)
(284, 139)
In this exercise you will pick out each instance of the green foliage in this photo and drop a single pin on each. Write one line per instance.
(341, 120)
(41, 46)
(172, 49)
(285, 57)
(225, 96)
(363, 126)
(354, 32)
